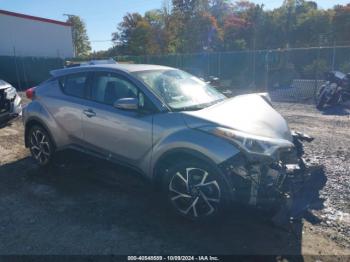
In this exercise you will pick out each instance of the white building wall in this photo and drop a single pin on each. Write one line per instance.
(28, 37)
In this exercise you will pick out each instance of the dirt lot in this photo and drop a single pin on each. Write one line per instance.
(86, 206)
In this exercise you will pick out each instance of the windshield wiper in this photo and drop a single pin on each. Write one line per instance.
(190, 108)
(198, 107)
(217, 101)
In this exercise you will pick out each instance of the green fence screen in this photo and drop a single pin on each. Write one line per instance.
(256, 70)
(25, 72)
(259, 70)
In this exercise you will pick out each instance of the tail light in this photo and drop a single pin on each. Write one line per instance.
(30, 93)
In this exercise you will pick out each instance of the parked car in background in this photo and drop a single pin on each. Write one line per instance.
(10, 102)
(206, 151)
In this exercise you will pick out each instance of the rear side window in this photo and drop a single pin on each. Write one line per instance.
(74, 85)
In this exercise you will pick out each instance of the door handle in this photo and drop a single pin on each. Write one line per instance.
(89, 113)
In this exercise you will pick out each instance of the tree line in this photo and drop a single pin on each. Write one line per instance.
(194, 26)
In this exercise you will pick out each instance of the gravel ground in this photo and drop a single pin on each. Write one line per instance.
(85, 206)
(331, 151)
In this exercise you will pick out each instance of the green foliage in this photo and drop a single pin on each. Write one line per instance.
(345, 67)
(80, 38)
(316, 69)
(138, 35)
(194, 26)
(341, 23)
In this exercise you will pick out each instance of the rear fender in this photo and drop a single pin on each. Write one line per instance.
(35, 112)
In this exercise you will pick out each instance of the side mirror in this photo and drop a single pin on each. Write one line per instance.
(127, 104)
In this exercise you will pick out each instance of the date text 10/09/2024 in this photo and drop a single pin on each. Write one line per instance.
(173, 258)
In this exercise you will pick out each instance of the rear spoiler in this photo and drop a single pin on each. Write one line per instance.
(266, 97)
(59, 72)
(55, 72)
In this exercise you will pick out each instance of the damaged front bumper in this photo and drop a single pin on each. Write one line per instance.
(10, 104)
(267, 184)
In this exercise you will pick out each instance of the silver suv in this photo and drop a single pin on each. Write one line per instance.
(203, 149)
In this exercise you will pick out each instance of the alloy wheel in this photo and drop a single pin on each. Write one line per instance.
(40, 146)
(195, 193)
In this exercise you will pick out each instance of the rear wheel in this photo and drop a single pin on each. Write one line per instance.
(40, 145)
(322, 99)
(195, 190)
(335, 99)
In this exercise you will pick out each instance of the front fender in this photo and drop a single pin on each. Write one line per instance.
(209, 146)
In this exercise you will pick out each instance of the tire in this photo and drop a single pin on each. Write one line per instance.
(195, 190)
(40, 145)
(321, 102)
(335, 99)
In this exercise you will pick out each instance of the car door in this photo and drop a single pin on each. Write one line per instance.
(66, 105)
(122, 134)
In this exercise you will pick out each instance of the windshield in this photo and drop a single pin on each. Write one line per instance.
(180, 90)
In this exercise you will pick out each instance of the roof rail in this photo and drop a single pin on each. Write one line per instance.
(110, 61)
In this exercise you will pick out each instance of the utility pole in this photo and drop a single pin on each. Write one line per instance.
(267, 68)
(254, 46)
(16, 66)
(333, 56)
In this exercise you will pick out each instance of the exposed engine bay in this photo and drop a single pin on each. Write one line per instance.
(268, 184)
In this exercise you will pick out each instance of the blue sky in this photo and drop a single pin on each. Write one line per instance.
(102, 17)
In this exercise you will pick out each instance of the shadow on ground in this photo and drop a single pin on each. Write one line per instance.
(4, 124)
(85, 206)
(339, 110)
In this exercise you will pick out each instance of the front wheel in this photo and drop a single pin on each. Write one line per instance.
(195, 190)
(40, 145)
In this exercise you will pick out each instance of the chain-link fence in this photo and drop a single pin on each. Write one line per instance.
(25, 72)
(287, 74)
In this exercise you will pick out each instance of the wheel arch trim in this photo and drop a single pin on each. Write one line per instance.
(30, 122)
(156, 176)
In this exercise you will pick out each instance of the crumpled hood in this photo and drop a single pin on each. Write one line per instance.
(247, 113)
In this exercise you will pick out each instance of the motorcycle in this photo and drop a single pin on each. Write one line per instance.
(336, 89)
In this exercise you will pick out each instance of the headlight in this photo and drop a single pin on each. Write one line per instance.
(10, 93)
(251, 143)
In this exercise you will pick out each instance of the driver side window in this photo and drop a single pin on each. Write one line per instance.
(107, 88)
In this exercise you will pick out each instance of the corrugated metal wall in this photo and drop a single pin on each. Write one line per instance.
(27, 37)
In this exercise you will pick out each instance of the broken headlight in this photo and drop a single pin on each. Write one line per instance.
(10, 93)
(252, 144)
